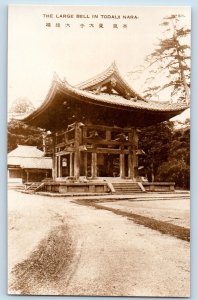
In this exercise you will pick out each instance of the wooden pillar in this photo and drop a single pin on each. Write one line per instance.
(84, 136)
(108, 135)
(44, 136)
(122, 164)
(135, 162)
(131, 171)
(71, 169)
(93, 165)
(77, 164)
(85, 163)
(135, 156)
(66, 138)
(132, 158)
(27, 176)
(59, 166)
(78, 139)
(54, 163)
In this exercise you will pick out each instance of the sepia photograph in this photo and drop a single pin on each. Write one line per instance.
(98, 164)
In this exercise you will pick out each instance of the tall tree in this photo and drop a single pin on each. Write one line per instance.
(168, 66)
(155, 141)
(177, 167)
(21, 134)
(167, 152)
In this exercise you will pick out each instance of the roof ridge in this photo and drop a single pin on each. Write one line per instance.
(85, 82)
(28, 146)
(126, 83)
(107, 73)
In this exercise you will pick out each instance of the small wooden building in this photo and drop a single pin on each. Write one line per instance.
(28, 164)
(93, 126)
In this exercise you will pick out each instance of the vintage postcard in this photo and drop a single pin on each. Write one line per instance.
(98, 150)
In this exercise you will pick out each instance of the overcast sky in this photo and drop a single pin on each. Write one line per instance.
(79, 48)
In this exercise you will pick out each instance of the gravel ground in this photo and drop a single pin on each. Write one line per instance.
(57, 247)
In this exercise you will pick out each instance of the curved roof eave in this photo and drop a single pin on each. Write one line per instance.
(89, 97)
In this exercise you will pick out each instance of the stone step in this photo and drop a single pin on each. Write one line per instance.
(126, 187)
(123, 190)
(124, 183)
(128, 192)
(33, 187)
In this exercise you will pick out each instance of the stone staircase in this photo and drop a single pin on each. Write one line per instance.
(34, 187)
(128, 187)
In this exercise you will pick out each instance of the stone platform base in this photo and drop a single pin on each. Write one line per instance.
(104, 186)
(159, 186)
(76, 187)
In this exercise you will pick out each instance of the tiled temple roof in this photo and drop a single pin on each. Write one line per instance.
(107, 89)
(117, 100)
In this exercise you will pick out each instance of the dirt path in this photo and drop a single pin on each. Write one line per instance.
(141, 218)
(111, 255)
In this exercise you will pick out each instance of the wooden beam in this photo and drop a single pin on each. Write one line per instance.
(35, 170)
(94, 150)
(95, 141)
(96, 127)
(104, 128)
(107, 151)
(64, 144)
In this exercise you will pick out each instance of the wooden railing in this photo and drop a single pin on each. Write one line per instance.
(96, 135)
